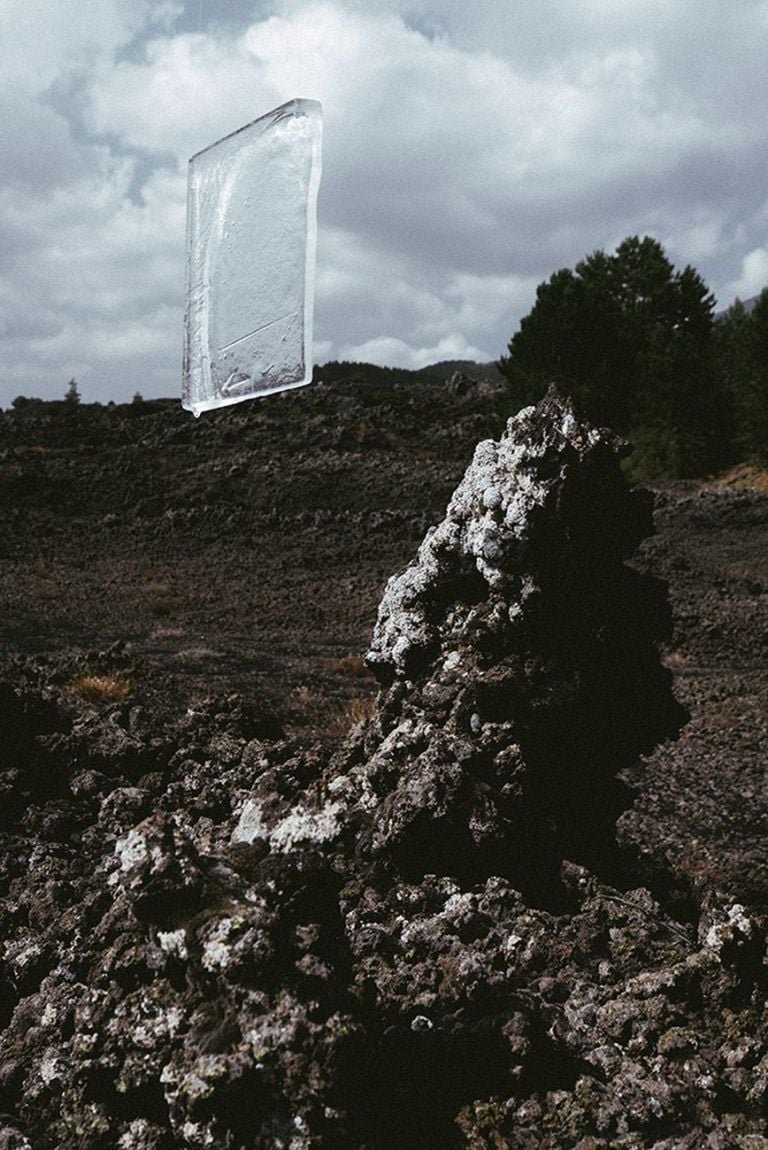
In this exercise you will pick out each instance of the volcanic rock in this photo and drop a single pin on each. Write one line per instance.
(518, 662)
(219, 936)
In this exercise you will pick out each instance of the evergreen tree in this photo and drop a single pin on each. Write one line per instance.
(755, 406)
(72, 394)
(630, 338)
(742, 353)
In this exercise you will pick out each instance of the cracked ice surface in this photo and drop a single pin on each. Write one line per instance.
(251, 239)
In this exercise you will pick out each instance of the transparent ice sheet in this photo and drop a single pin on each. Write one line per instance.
(251, 240)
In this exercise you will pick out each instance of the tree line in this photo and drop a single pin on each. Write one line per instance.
(637, 345)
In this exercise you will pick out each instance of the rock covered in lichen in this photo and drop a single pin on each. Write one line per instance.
(486, 532)
(518, 659)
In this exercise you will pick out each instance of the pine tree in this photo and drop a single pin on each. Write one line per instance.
(72, 394)
(630, 338)
(742, 354)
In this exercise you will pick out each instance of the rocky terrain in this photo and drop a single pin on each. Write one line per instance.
(502, 885)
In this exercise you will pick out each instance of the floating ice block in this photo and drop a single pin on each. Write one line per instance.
(251, 239)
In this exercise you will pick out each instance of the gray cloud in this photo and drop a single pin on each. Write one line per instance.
(469, 152)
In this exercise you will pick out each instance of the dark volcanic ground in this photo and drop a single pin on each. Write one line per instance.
(163, 571)
(255, 541)
(248, 550)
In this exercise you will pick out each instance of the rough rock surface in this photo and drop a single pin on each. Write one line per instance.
(217, 935)
(519, 660)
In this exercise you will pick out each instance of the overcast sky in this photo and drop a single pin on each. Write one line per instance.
(470, 150)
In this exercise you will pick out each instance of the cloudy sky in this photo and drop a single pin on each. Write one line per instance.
(470, 150)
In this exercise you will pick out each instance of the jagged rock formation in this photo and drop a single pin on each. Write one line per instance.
(518, 661)
(217, 937)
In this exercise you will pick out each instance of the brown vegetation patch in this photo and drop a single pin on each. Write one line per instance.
(313, 710)
(108, 688)
(745, 477)
(351, 666)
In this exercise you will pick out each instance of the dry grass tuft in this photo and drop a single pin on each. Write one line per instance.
(745, 477)
(160, 599)
(161, 633)
(196, 655)
(340, 720)
(351, 666)
(110, 688)
(313, 710)
(359, 711)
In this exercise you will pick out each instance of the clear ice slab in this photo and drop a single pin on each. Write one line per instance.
(251, 241)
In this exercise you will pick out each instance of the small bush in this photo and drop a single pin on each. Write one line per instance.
(108, 688)
(351, 666)
(334, 718)
(358, 711)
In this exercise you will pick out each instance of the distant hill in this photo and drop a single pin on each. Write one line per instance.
(372, 375)
(447, 367)
(748, 305)
(336, 371)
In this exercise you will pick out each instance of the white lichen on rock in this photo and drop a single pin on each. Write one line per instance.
(298, 826)
(485, 526)
(173, 942)
(302, 826)
(131, 849)
(250, 825)
(217, 949)
(735, 927)
(50, 1068)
